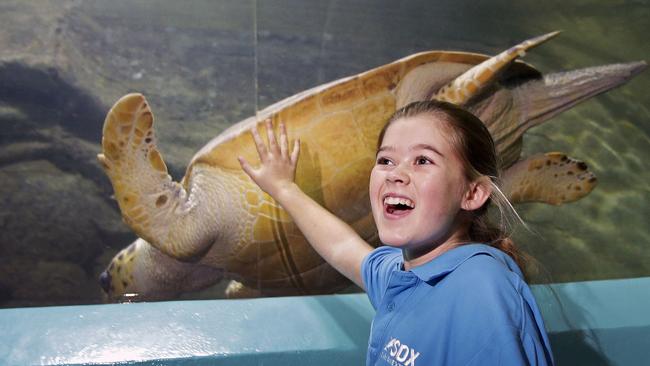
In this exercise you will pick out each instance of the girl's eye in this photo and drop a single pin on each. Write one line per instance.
(383, 161)
(420, 160)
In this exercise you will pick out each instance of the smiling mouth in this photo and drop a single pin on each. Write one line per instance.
(398, 205)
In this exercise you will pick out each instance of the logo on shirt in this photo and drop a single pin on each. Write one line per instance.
(397, 353)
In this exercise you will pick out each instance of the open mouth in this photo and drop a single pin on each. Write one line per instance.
(398, 205)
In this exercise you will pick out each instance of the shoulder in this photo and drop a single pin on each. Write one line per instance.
(498, 305)
(376, 270)
(489, 274)
(485, 285)
(384, 257)
(492, 301)
(485, 268)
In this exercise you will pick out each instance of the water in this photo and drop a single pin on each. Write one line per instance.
(204, 65)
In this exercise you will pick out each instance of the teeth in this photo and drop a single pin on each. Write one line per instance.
(398, 201)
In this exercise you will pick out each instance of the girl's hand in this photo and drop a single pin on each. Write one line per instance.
(277, 170)
(332, 238)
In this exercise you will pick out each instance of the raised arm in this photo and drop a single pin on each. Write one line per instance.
(332, 238)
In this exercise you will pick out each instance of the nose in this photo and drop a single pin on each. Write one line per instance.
(105, 281)
(398, 175)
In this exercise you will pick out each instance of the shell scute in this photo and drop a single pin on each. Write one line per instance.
(344, 96)
(371, 116)
(385, 78)
(301, 113)
(263, 229)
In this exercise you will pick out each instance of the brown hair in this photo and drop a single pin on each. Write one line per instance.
(475, 147)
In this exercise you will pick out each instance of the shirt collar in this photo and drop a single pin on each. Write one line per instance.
(448, 261)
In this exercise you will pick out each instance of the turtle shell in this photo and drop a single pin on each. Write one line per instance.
(338, 125)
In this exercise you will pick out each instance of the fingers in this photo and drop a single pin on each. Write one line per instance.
(273, 144)
(280, 150)
(295, 153)
(245, 166)
(259, 144)
(283, 140)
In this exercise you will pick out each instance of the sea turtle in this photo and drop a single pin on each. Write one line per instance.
(216, 223)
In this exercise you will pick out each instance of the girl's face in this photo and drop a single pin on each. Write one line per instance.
(417, 185)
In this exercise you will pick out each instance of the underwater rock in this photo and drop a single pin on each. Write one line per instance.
(30, 281)
(48, 215)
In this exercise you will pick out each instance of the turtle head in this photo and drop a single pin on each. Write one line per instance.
(118, 280)
(141, 272)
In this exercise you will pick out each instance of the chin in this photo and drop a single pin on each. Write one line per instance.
(393, 240)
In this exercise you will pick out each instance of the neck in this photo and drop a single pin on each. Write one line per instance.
(419, 256)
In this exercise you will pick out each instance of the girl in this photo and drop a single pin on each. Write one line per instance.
(447, 286)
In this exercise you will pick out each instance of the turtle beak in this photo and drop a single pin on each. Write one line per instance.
(105, 281)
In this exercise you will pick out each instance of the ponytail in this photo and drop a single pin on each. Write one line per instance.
(482, 230)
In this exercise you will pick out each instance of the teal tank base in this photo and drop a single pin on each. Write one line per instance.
(589, 323)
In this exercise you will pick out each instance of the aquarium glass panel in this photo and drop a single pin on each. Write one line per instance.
(205, 66)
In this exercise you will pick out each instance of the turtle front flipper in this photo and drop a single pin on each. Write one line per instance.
(466, 86)
(151, 203)
(552, 178)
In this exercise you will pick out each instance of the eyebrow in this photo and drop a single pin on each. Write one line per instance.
(415, 147)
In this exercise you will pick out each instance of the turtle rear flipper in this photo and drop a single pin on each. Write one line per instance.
(151, 203)
(556, 92)
(524, 104)
(552, 178)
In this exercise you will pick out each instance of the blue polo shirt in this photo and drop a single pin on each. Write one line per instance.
(469, 306)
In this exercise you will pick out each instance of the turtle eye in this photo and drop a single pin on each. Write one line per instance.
(105, 281)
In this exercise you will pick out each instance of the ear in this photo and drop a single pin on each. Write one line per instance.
(477, 193)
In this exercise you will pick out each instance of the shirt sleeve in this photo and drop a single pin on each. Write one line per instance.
(376, 270)
(534, 338)
(509, 347)
(504, 348)
(497, 304)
